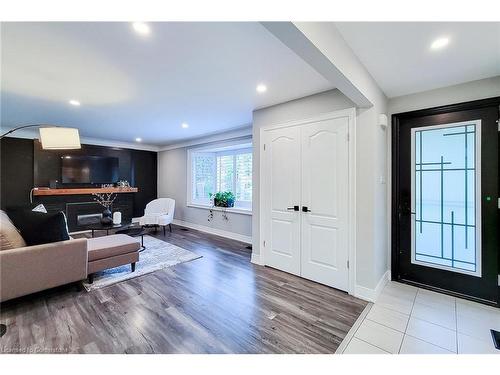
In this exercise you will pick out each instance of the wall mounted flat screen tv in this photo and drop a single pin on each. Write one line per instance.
(89, 170)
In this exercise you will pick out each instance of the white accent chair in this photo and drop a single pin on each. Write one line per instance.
(159, 212)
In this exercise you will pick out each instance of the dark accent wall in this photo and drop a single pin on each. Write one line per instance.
(16, 171)
(47, 163)
(24, 164)
(144, 174)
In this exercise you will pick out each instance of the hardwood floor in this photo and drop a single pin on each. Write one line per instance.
(220, 303)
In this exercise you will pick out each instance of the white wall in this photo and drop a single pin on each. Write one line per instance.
(329, 41)
(371, 151)
(172, 183)
(464, 92)
(371, 199)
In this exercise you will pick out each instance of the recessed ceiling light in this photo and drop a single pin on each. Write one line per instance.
(184, 125)
(440, 43)
(138, 139)
(261, 88)
(141, 28)
(74, 102)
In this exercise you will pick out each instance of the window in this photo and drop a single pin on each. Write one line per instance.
(203, 176)
(226, 168)
(445, 181)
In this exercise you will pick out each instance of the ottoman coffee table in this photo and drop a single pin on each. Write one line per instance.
(111, 251)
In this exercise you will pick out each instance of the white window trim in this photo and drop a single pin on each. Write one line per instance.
(189, 168)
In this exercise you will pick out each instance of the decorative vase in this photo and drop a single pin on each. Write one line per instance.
(106, 218)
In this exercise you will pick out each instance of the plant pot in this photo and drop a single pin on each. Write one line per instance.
(106, 218)
(228, 203)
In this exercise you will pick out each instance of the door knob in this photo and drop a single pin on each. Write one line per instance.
(295, 208)
(305, 209)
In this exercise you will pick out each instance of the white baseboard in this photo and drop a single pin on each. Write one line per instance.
(256, 259)
(371, 295)
(217, 232)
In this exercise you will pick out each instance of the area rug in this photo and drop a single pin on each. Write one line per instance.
(158, 255)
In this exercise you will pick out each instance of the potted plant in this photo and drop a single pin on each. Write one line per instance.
(222, 199)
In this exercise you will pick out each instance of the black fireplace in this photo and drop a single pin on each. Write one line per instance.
(82, 214)
(82, 211)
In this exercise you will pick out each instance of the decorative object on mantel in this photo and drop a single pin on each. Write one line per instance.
(105, 186)
(117, 217)
(37, 191)
(106, 200)
(123, 184)
(223, 200)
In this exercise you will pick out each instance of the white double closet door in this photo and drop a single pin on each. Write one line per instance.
(308, 166)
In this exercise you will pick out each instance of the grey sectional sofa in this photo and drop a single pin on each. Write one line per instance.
(28, 269)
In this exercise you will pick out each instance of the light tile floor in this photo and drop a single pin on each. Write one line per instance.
(410, 320)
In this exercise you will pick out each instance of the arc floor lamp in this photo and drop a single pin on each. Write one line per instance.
(52, 138)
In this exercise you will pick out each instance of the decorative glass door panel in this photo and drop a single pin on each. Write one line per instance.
(445, 191)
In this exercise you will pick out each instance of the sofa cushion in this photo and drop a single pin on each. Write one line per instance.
(38, 228)
(10, 238)
(110, 246)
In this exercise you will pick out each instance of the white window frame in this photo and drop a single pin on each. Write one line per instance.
(227, 148)
(190, 186)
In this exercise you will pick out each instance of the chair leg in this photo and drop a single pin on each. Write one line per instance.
(163, 229)
(170, 227)
(90, 278)
(132, 265)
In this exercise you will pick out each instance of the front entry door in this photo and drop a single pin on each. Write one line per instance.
(445, 200)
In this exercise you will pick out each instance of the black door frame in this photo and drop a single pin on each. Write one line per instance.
(395, 157)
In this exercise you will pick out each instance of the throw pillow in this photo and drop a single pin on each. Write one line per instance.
(38, 228)
(10, 238)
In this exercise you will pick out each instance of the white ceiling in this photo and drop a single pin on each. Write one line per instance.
(399, 58)
(132, 86)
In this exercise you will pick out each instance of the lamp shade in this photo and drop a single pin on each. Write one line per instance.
(58, 138)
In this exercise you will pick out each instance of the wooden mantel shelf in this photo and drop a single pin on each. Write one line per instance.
(79, 191)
